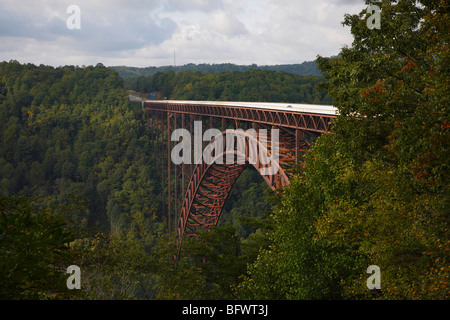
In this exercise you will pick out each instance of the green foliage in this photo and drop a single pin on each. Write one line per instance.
(248, 203)
(178, 280)
(34, 246)
(251, 85)
(304, 68)
(37, 244)
(298, 265)
(211, 266)
(77, 136)
(71, 140)
(398, 165)
(115, 266)
(376, 190)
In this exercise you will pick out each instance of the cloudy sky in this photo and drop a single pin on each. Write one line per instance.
(147, 32)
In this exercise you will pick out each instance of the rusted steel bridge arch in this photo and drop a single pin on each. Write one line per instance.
(211, 183)
(196, 193)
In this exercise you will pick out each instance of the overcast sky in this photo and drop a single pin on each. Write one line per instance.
(147, 32)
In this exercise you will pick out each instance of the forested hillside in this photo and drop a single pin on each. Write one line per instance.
(80, 166)
(70, 132)
(72, 145)
(252, 85)
(303, 69)
(377, 190)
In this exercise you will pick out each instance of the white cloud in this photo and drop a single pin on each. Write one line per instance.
(143, 33)
(223, 23)
(192, 5)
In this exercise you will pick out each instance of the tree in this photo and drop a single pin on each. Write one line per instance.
(375, 191)
(395, 98)
(34, 250)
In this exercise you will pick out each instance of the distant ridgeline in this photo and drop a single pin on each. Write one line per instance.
(251, 85)
(305, 68)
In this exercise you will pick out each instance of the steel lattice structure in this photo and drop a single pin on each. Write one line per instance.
(197, 193)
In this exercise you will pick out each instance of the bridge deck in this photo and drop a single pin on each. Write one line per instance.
(292, 107)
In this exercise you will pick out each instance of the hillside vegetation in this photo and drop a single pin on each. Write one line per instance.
(252, 85)
(302, 69)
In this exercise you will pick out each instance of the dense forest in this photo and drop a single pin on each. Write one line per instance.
(303, 69)
(376, 190)
(251, 85)
(81, 182)
(82, 179)
(71, 149)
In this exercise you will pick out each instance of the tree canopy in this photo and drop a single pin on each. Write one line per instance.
(251, 85)
(376, 190)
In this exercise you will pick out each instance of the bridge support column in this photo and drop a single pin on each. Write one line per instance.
(224, 125)
(183, 165)
(299, 136)
(169, 178)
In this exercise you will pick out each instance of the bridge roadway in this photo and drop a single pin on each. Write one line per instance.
(290, 107)
(306, 117)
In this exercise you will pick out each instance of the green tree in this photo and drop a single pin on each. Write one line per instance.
(375, 191)
(34, 246)
(395, 98)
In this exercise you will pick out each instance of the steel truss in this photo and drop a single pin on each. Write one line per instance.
(197, 193)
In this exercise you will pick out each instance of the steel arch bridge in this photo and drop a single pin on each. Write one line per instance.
(197, 192)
